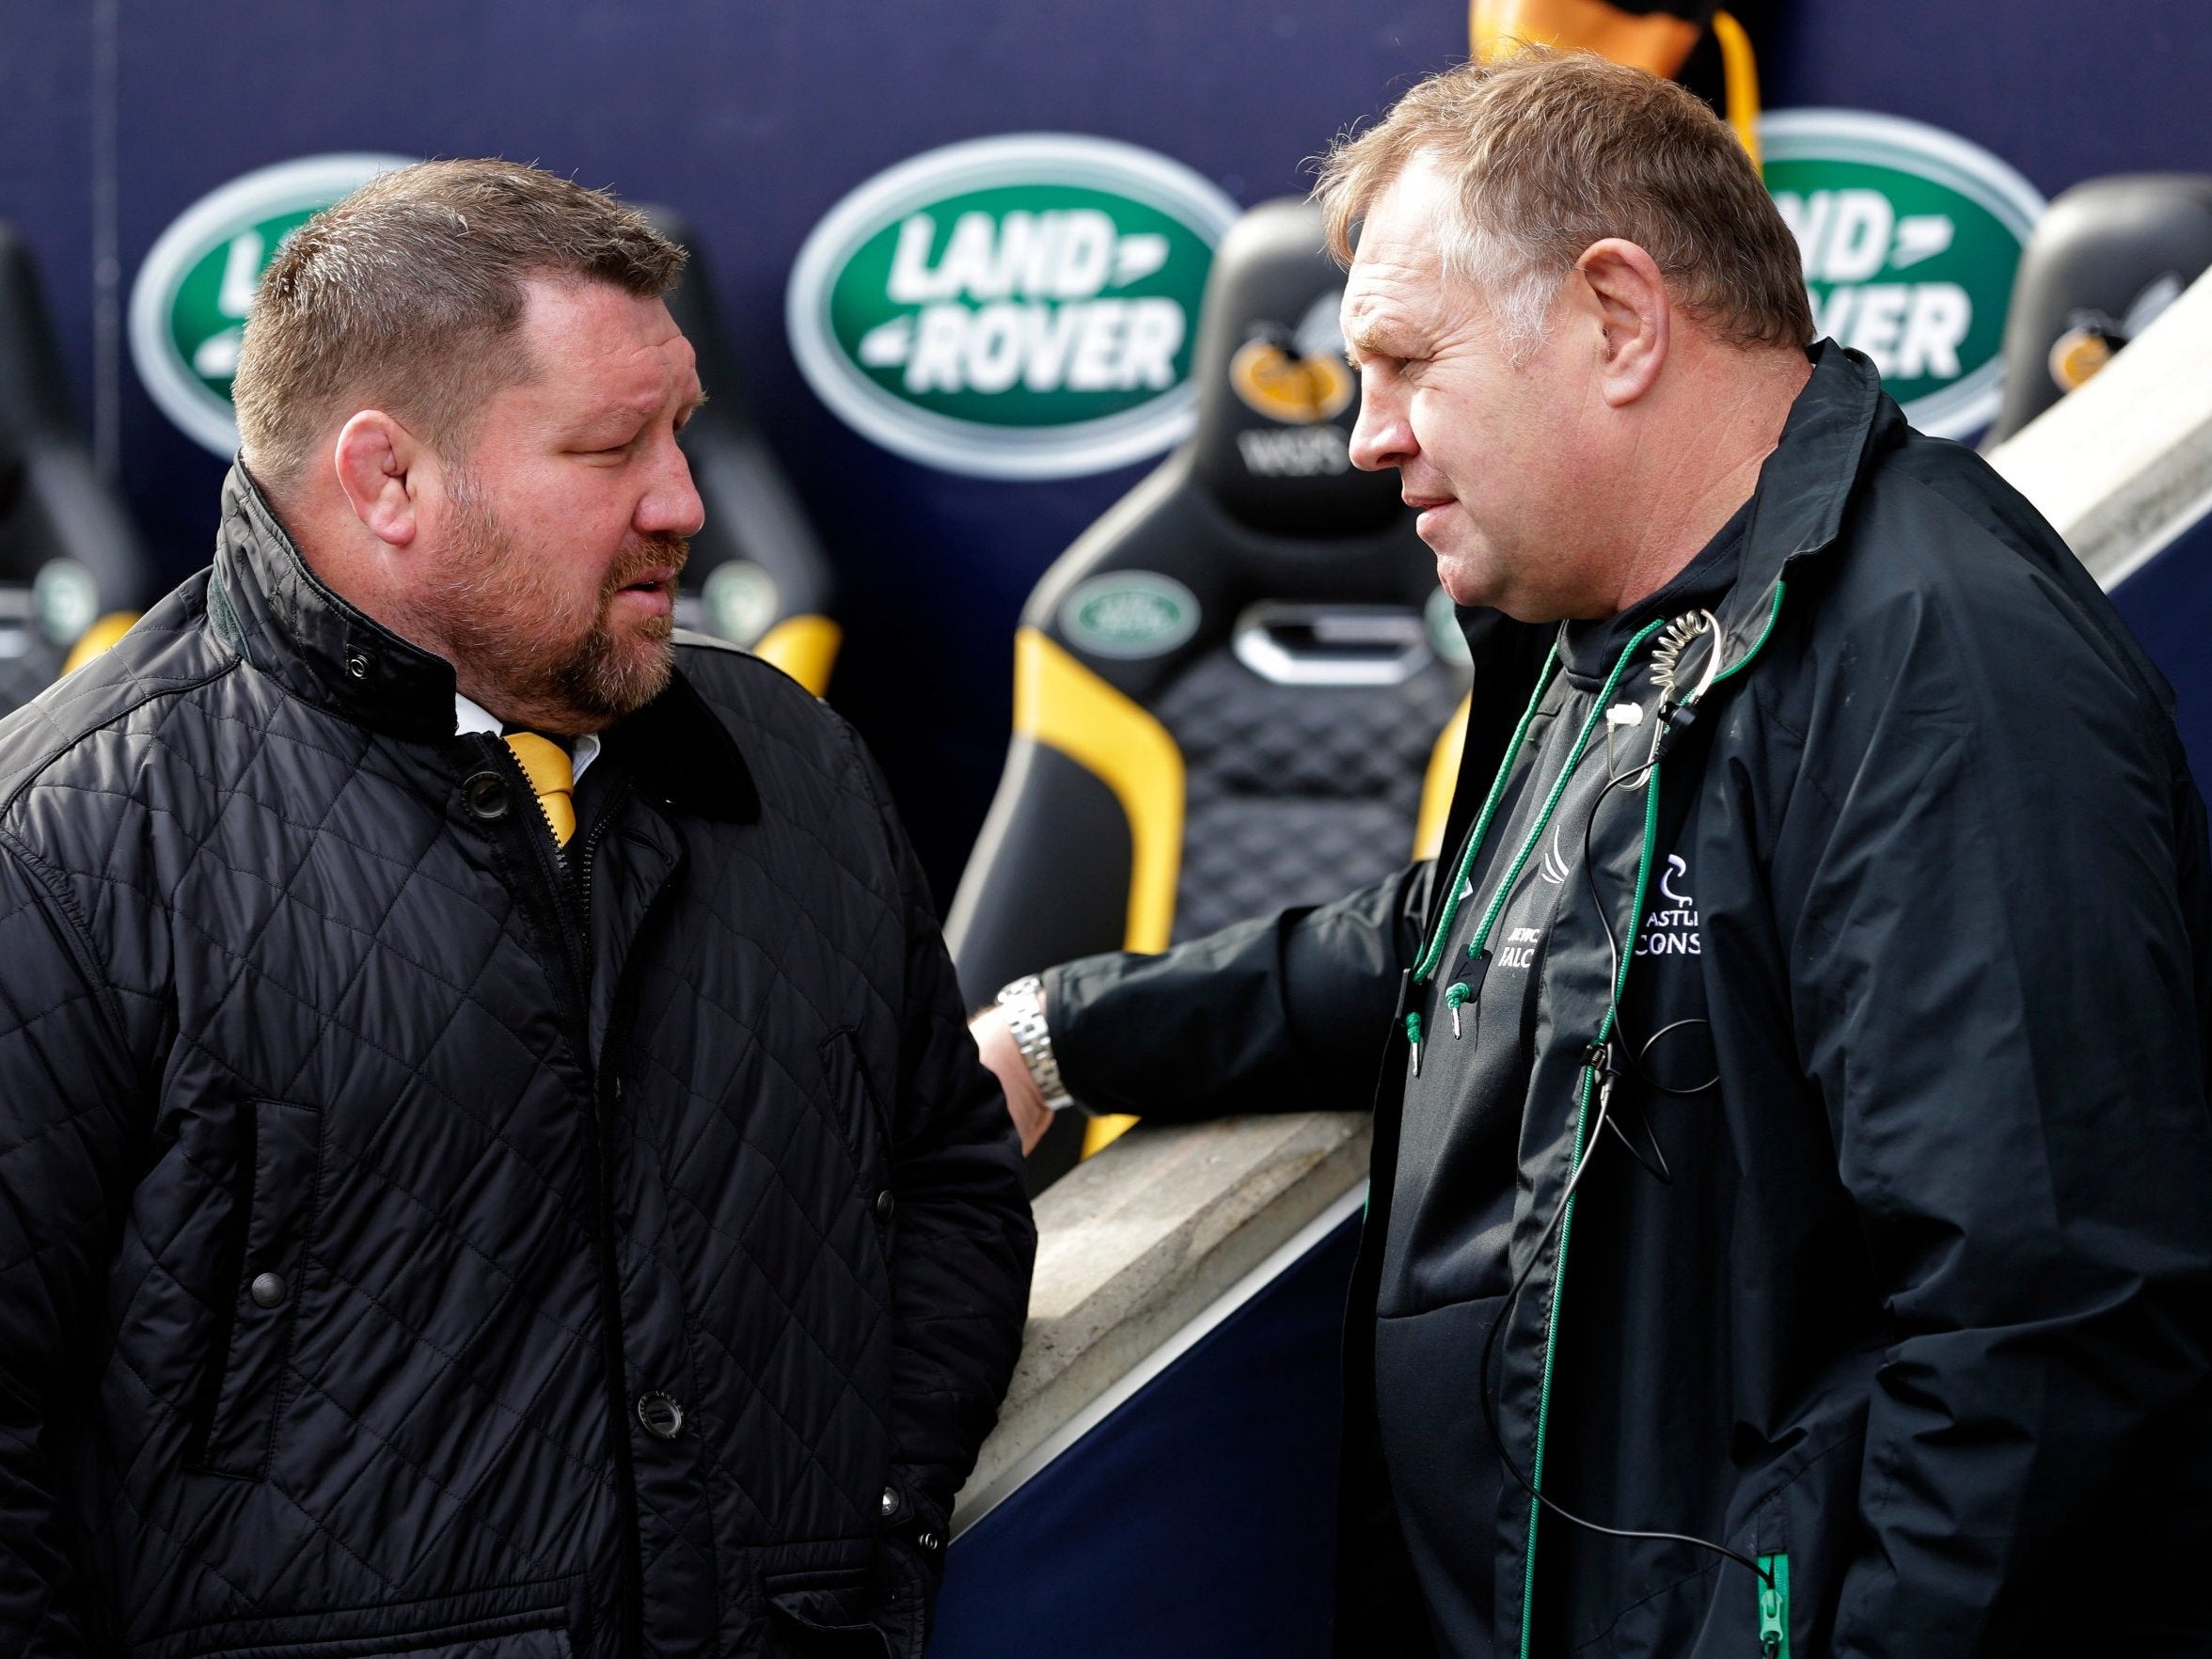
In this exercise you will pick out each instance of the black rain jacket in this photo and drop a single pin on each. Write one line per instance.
(393, 1260)
(1923, 1310)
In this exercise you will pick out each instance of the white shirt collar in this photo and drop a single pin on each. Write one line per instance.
(474, 716)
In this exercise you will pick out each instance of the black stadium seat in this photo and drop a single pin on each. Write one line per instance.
(758, 575)
(72, 573)
(2106, 257)
(1229, 692)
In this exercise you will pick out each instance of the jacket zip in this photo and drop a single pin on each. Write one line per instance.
(1779, 1565)
(1590, 1086)
(1543, 1388)
(1774, 1608)
(571, 902)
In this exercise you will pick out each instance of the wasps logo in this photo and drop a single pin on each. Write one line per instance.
(1277, 381)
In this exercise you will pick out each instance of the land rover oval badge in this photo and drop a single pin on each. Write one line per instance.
(188, 306)
(1910, 237)
(1129, 613)
(1017, 307)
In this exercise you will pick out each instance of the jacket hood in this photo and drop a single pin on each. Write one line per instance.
(270, 607)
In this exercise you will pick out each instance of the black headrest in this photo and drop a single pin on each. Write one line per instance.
(1275, 399)
(754, 523)
(61, 524)
(2107, 258)
(34, 391)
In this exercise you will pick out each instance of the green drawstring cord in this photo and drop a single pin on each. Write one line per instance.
(1426, 968)
(1455, 998)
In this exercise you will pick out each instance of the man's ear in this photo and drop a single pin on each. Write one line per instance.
(1635, 313)
(375, 457)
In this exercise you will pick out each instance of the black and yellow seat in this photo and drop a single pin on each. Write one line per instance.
(1237, 691)
(758, 575)
(2105, 260)
(73, 573)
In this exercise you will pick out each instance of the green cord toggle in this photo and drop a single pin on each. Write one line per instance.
(1455, 997)
(1413, 1029)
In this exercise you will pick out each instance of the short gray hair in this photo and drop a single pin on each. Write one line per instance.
(1551, 151)
(407, 295)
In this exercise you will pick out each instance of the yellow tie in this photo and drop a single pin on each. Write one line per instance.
(546, 763)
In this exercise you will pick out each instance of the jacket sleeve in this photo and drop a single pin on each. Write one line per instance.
(65, 1149)
(1284, 1014)
(1991, 976)
(962, 1241)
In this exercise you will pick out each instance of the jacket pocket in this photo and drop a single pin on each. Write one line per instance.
(876, 1611)
(825, 1616)
(279, 1170)
(526, 1636)
(858, 1110)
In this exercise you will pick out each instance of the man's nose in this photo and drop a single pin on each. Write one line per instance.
(1381, 436)
(670, 506)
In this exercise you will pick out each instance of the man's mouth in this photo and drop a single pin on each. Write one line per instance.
(651, 593)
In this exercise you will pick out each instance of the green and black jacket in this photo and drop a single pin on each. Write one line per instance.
(1918, 1323)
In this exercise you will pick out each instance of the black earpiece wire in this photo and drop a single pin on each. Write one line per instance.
(1604, 1074)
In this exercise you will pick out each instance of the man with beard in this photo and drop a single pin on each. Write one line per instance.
(490, 1159)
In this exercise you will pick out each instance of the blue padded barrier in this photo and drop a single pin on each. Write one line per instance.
(1198, 1519)
(2168, 601)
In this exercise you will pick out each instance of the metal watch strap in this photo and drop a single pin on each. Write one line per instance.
(1024, 1002)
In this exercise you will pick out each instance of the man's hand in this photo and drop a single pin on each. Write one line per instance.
(994, 1040)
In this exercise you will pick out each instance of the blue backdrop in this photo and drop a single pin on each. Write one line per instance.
(754, 118)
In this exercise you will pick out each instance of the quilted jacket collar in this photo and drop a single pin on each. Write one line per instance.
(686, 754)
(277, 615)
(274, 612)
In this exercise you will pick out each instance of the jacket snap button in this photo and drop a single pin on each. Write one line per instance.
(662, 1417)
(267, 1289)
(890, 1504)
(357, 664)
(485, 796)
(885, 1203)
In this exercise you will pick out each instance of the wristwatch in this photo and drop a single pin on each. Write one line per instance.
(1024, 1002)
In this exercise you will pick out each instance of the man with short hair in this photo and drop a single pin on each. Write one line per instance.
(1789, 1225)
(490, 1161)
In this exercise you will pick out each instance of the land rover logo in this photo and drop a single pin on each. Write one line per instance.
(188, 306)
(1019, 307)
(1129, 613)
(740, 599)
(1910, 236)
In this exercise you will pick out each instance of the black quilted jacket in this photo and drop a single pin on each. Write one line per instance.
(390, 1261)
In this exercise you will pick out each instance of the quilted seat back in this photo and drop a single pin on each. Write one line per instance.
(1229, 692)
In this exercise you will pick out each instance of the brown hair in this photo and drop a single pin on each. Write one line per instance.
(406, 294)
(1553, 151)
